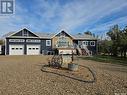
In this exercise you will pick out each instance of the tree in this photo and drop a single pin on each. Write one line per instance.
(105, 47)
(115, 37)
(79, 33)
(123, 42)
(1, 42)
(89, 33)
(119, 39)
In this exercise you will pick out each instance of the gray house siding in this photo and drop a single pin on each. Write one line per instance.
(7, 47)
(91, 48)
(42, 44)
(29, 38)
(28, 32)
(44, 48)
(18, 34)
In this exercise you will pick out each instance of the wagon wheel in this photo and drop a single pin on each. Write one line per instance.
(52, 62)
(60, 60)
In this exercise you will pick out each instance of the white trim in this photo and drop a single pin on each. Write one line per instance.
(86, 43)
(47, 42)
(21, 30)
(60, 32)
(33, 40)
(92, 42)
(16, 40)
(21, 37)
(16, 49)
(33, 49)
(12, 34)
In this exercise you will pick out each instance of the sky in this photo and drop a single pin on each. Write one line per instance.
(73, 16)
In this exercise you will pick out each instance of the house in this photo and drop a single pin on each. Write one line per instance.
(26, 42)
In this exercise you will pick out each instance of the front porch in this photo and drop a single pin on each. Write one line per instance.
(66, 51)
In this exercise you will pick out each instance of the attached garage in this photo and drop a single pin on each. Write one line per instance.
(33, 49)
(16, 49)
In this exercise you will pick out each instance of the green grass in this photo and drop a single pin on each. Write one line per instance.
(107, 59)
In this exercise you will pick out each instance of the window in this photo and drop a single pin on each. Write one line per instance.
(20, 48)
(92, 43)
(63, 42)
(48, 42)
(37, 48)
(16, 48)
(16, 40)
(12, 48)
(31, 40)
(29, 48)
(86, 43)
(25, 33)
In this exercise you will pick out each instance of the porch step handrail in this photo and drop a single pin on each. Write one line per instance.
(80, 47)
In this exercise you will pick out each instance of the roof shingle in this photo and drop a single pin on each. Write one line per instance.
(50, 35)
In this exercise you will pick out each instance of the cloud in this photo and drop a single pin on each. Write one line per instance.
(86, 12)
(74, 15)
(107, 25)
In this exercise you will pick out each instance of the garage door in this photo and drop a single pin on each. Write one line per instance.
(33, 49)
(16, 49)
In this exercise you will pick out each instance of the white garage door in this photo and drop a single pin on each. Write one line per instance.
(33, 49)
(16, 49)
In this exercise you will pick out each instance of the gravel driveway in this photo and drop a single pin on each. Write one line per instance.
(22, 75)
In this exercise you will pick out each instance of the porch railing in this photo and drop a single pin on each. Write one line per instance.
(66, 46)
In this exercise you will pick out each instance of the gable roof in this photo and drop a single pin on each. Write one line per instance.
(22, 30)
(45, 35)
(64, 32)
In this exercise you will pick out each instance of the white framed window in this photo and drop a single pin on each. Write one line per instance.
(31, 40)
(48, 42)
(92, 43)
(63, 42)
(16, 40)
(86, 43)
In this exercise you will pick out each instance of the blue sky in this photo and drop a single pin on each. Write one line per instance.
(74, 16)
